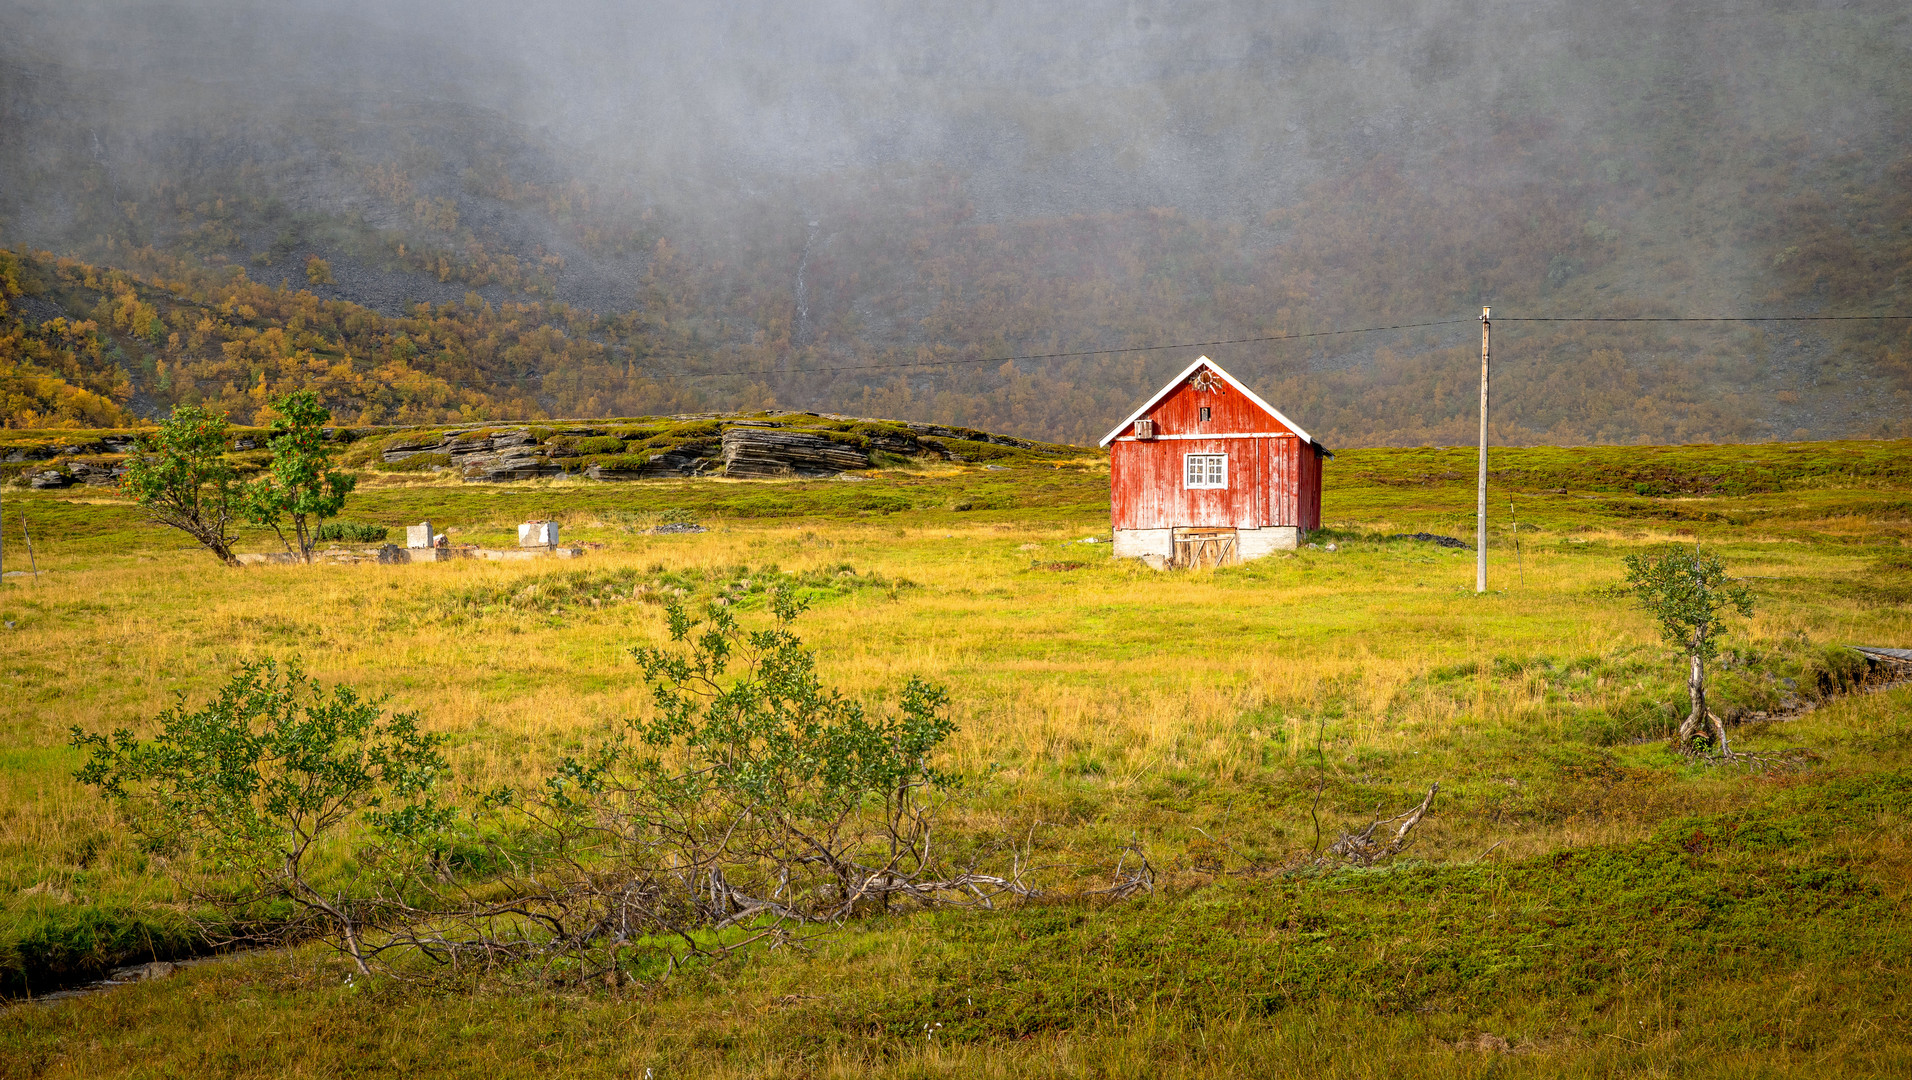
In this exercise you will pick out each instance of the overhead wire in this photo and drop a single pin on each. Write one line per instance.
(1693, 318)
(1267, 338)
(1063, 355)
(662, 376)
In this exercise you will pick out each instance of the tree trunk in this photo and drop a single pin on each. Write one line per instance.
(1696, 690)
(218, 545)
(340, 917)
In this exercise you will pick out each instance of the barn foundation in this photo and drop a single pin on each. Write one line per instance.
(1156, 547)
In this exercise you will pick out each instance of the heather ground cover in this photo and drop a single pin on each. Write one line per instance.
(1594, 901)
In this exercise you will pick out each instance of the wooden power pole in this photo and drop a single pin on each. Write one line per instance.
(1480, 520)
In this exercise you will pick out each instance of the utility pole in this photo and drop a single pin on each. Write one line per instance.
(1480, 521)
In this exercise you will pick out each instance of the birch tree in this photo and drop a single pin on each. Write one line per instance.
(1691, 597)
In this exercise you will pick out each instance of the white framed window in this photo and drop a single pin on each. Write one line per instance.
(1204, 470)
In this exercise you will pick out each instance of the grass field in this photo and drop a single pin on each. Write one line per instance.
(1580, 902)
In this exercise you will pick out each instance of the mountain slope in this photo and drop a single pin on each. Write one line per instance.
(899, 185)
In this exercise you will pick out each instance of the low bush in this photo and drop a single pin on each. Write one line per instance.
(353, 532)
(600, 444)
(561, 593)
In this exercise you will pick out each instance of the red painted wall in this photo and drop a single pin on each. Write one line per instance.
(1274, 478)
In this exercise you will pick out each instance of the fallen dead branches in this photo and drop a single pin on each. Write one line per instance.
(1128, 881)
(1788, 759)
(1362, 849)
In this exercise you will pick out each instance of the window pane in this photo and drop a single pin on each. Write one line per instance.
(1205, 471)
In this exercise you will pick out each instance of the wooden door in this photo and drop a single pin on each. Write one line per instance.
(1205, 549)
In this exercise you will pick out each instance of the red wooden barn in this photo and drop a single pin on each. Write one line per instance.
(1207, 473)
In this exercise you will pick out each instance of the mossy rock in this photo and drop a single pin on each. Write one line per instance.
(599, 444)
(696, 429)
(415, 463)
(618, 462)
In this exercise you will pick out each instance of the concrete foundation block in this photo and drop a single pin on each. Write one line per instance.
(538, 534)
(1142, 543)
(419, 535)
(1156, 547)
(1256, 543)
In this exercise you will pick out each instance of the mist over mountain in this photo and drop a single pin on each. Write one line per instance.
(786, 191)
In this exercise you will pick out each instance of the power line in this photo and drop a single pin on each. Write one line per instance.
(1696, 318)
(1272, 337)
(661, 377)
(1064, 355)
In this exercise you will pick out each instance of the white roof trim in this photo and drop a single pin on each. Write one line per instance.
(1182, 378)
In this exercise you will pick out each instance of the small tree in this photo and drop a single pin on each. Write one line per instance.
(300, 488)
(801, 778)
(257, 781)
(754, 802)
(182, 479)
(1691, 596)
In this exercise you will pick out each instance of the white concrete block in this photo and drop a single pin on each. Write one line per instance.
(538, 534)
(1257, 543)
(419, 535)
(1141, 543)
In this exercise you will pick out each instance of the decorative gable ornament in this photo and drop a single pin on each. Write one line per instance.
(1206, 381)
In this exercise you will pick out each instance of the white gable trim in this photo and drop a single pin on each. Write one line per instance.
(1182, 378)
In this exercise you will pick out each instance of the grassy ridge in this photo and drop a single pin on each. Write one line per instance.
(1574, 883)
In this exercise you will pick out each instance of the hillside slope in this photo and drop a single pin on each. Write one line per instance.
(901, 185)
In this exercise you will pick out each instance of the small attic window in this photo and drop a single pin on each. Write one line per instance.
(1204, 414)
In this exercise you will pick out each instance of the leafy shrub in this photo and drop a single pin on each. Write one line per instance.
(755, 798)
(565, 591)
(259, 781)
(353, 532)
(553, 593)
(183, 479)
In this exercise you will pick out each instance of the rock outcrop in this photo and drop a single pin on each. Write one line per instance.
(685, 459)
(790, 445)
(752, 451)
